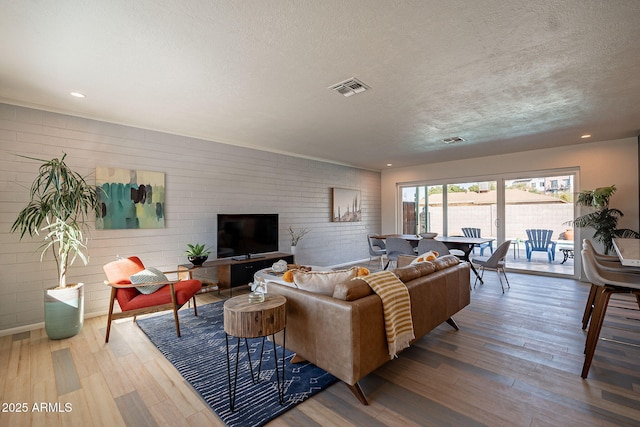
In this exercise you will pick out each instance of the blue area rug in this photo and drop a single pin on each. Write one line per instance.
(200, 357)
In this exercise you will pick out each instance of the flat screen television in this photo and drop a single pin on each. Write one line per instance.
(247, 234)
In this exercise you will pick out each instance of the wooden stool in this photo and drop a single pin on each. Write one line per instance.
(246, 319)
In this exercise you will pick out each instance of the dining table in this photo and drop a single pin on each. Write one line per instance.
(628, 251)
(461, 243)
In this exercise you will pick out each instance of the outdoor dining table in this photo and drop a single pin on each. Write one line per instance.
(461, 243)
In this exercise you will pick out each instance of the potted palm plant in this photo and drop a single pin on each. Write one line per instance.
(61, 202)
(603, 219)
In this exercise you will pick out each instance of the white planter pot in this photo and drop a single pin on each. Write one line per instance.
(64, 311)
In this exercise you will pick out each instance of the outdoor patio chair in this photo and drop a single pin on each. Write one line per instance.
(540, 241)
(475, 232)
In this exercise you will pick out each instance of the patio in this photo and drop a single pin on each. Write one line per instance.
(517, 259)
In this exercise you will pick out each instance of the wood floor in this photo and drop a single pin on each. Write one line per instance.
(516, 361)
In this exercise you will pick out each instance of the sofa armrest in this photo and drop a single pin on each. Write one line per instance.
(345, 338)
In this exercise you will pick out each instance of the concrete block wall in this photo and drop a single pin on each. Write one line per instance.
(202, 179)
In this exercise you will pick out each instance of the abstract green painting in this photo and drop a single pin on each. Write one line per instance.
(130, 198)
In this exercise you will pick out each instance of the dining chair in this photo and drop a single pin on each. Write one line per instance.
(496, 262)
(426, 245)
(608, 283)
(397, 246)
(377, 248)
(540, 240)
(607, 263)
(476, 232)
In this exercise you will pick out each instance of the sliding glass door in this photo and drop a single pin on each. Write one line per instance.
(543, 206)
(503, 208)
(422, 209)
(472, 205)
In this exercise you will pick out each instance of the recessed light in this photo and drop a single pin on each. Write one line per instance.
(389, 165)
(586, 135)
(77, 94)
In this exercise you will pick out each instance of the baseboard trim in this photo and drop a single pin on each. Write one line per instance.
(40, 325)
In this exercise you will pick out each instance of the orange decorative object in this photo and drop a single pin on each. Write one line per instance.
(363, 271)
(288, 276)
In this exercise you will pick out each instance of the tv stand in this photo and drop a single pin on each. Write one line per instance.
(237, 272)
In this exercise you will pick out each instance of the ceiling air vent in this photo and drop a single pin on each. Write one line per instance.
(452, 140)
(350, 87)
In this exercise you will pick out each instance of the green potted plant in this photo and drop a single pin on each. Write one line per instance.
(61, 202)
(197, 253)
(603, 219)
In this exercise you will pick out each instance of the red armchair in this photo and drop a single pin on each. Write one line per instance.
(171, 296)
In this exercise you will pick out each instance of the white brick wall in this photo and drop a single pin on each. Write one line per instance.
(203, 178)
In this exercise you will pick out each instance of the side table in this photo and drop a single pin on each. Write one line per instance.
(246, 319)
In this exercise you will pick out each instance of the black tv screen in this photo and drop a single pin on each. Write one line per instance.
(244, 234)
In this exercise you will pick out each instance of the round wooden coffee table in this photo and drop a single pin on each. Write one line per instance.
(246, 319)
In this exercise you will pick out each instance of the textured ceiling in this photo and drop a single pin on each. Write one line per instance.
(504, 75)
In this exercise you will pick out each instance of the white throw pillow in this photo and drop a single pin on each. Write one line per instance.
(148, 275)
(322, 282)
(427, 256)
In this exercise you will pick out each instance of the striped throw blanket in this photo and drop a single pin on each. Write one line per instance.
(396, 307)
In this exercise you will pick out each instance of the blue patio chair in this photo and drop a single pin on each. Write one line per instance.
(540, 241)
(475, 232)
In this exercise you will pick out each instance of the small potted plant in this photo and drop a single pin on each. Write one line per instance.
(197, 253)
(61, 203)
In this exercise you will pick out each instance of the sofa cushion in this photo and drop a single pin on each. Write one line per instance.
(322, 282)
(185, 289)
(352, 290)
(413, 271)
(446, 261)
(148, 275)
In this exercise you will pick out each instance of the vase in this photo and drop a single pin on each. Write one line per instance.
(64, 311)
(197, 260)
(293, 250)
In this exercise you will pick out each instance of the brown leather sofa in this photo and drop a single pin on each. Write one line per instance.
(344, 334)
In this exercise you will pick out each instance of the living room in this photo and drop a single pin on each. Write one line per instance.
(205, 177)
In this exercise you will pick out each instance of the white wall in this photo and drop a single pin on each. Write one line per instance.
(600, 164)
(203, 178)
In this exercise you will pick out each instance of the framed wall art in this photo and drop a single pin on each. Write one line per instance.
(130, 198)
(347, 205)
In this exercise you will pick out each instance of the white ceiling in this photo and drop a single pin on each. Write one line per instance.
(506, 75)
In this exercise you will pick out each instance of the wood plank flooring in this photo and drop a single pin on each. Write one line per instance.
(516, 361)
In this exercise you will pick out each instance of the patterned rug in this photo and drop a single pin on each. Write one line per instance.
(200, 357)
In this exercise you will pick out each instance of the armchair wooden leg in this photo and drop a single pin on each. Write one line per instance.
(109, 318)
(174, 302)
(195, 308)
(357, 391)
